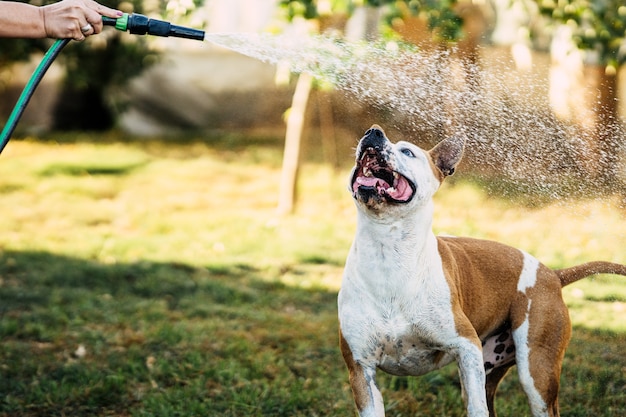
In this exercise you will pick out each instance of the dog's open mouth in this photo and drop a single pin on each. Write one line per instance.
(374, 178)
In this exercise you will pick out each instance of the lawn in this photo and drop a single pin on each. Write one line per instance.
(154, 278)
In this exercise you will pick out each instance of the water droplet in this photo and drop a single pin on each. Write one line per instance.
(507, 135)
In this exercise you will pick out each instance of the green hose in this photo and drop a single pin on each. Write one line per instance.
(28, 91)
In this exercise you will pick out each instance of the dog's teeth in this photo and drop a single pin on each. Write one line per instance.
(390, 190)
(396, 175)
(367, 172)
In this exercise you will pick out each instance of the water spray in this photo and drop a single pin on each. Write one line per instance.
(135, 24)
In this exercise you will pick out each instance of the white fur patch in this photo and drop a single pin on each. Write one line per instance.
(472, 378)
(528, 277)
(377, 408)
(520, 335)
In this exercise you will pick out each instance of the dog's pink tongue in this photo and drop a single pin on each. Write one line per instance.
(368, 182)
(402, 191)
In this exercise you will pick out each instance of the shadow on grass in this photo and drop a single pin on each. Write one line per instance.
(84, 338)
(101, 168)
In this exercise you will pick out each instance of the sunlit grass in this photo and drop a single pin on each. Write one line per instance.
(167, 263)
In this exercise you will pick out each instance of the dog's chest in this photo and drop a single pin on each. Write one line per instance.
(411, 353)
(400, 329)
(397, 340)
(395, 307)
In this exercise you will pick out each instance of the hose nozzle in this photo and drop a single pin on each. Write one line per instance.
(138, 24)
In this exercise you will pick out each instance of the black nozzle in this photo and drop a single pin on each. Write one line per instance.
(138, 24)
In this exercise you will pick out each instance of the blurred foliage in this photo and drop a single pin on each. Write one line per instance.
(14, 50)
(443, 20)
(93, 71)
(302, 8)
(598, 25)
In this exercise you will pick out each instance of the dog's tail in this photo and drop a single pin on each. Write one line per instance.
(573, 274)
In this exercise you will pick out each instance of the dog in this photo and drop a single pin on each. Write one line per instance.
(411, 302)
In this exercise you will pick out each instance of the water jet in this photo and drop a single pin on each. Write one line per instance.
(519, 141)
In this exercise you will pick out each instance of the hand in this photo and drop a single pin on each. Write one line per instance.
(75, 19)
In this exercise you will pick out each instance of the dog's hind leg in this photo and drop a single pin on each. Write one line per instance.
(541, 332)
(540, 342)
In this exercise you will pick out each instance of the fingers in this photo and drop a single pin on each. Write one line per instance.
(80, 31)
(87, 29)
(103, 10)
(76, 19)
(94, 12)
(94, 19)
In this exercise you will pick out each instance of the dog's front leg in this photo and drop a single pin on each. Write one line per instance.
(367, 396)
(472, 373)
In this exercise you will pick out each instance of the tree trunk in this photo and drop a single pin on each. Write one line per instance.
(474, 26)
(605, 123)
(293, 136)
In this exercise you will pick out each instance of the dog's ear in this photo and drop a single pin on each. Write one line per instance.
(448, 153)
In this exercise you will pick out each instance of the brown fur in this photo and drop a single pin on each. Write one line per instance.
(483, 277)
(575, 273)
(357, 378)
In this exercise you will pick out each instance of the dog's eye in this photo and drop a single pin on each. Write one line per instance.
(407, 152)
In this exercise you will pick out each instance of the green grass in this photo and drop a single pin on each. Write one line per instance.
(155, 279)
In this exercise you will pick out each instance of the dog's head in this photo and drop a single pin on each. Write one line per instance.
(402, 174)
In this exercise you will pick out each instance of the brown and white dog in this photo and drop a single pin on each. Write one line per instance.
(411, 302)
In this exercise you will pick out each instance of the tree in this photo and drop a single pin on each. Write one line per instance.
(307, 9)
(92, 70)
(598, 28)
(444, 18)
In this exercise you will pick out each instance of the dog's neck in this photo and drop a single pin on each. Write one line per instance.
(416, 223)
(406, 243)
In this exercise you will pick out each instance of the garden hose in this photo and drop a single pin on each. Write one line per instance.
(135, 23)
(29, 89)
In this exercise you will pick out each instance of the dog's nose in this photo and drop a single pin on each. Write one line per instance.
(374, 138)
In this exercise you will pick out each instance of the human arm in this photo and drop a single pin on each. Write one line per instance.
(60, 20)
